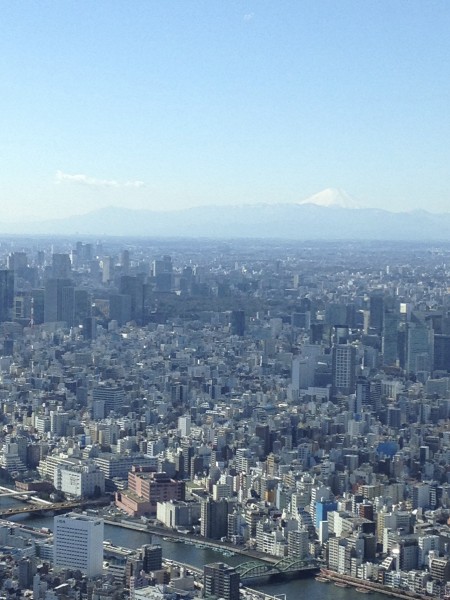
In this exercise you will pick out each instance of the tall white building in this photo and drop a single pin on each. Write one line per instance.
(184, 425)
(78, 543)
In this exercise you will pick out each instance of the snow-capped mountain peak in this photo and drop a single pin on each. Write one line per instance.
(332, 197)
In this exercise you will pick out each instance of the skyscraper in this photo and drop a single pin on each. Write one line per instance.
(419, 346)
(78, 543)
(441, 352)
(59, 301)
(343, 368)
(376, 307)
(134, 287)
(162, 273)
(389, 338)
(61, 266)
(6, 294)
(237, 322)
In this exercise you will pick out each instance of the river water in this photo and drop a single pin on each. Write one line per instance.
(307, 588)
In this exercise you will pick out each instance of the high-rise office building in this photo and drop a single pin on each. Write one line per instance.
(221, 581)
(343, 368)
(111, 398)
(162, 273)
(419, 347)
(25, 571)
(237, 322)
(83, 253)
(376, 311)
(120, 308)
(82, 306)
(151, 556)
(6, 294)
(362, 392)
(58, 422)
(335, 314)
(125, 261)
(184, 425)
(59, 301)
(162, 265)
(441, 352)
(78, 543)
(389, 340)
(134, 287)
(17, 261)
(214, 518)
(61, 266)
(107, 269)
(37, 306)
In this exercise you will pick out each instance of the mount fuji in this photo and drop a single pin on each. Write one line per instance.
(329, 215)
(332, 198)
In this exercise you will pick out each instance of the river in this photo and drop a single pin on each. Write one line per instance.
(295, 589)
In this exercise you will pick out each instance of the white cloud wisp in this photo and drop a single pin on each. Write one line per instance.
(82, 179)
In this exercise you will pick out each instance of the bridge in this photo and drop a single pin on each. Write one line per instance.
(50, 506)
(33, 508)
(285, 566)
(16, 493)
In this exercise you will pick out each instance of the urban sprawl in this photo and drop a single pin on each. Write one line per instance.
(289, 402)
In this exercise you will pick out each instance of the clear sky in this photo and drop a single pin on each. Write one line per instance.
(165, 104)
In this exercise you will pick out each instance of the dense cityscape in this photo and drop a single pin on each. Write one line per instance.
(286, 403)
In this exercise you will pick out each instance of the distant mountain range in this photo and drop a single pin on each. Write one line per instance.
(331, 214)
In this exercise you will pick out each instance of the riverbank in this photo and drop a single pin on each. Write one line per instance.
(199, 556)
(192, 539)
(369, 586)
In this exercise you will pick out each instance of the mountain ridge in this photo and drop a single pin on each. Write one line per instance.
(277, 221)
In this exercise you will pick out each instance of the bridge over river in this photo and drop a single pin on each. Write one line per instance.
(253, 570)
(35, 506)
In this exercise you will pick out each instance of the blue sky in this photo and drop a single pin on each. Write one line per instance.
(165, 104)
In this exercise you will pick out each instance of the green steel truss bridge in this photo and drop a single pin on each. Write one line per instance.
(254, 570)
